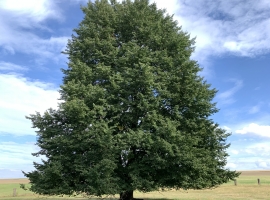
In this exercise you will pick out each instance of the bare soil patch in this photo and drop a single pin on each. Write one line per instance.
(18, 180)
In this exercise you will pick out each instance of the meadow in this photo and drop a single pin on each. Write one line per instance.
(247, 188)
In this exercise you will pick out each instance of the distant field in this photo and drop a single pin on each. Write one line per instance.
(256, 173)
(9, 181)
(247, 188)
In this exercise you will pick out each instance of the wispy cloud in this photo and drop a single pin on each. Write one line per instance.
(7, 66)
(16, 157)
(20, 97)
(226, 97)
(248, 163)
(255, 109)
(29, 43)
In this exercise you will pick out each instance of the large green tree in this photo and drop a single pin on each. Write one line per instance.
(135, 112)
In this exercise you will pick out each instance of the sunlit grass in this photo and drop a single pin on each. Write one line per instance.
(247, 188)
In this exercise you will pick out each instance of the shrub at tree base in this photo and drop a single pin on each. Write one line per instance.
(135, 113)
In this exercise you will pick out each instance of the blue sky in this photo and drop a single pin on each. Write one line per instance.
(232, 45)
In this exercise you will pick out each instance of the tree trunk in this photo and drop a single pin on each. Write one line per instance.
(127, 195)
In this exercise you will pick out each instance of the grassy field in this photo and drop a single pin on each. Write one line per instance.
(247, 188)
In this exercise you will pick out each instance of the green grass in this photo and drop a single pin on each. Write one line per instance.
(7, 190)
(247, 188)
(251, 180)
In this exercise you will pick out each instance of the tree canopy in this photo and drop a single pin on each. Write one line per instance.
(135, 113)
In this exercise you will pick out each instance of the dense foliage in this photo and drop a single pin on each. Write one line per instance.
(135, 113)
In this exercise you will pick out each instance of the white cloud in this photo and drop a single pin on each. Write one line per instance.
(255, 129)
(20, 97)
(227, 96)
(29, 12)
(222, 27)
(231, 165)
(20, 21)
(245, 163)
(263, 164)
(234, 152)
(227, 128)
(249, 155)
(171, 6)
